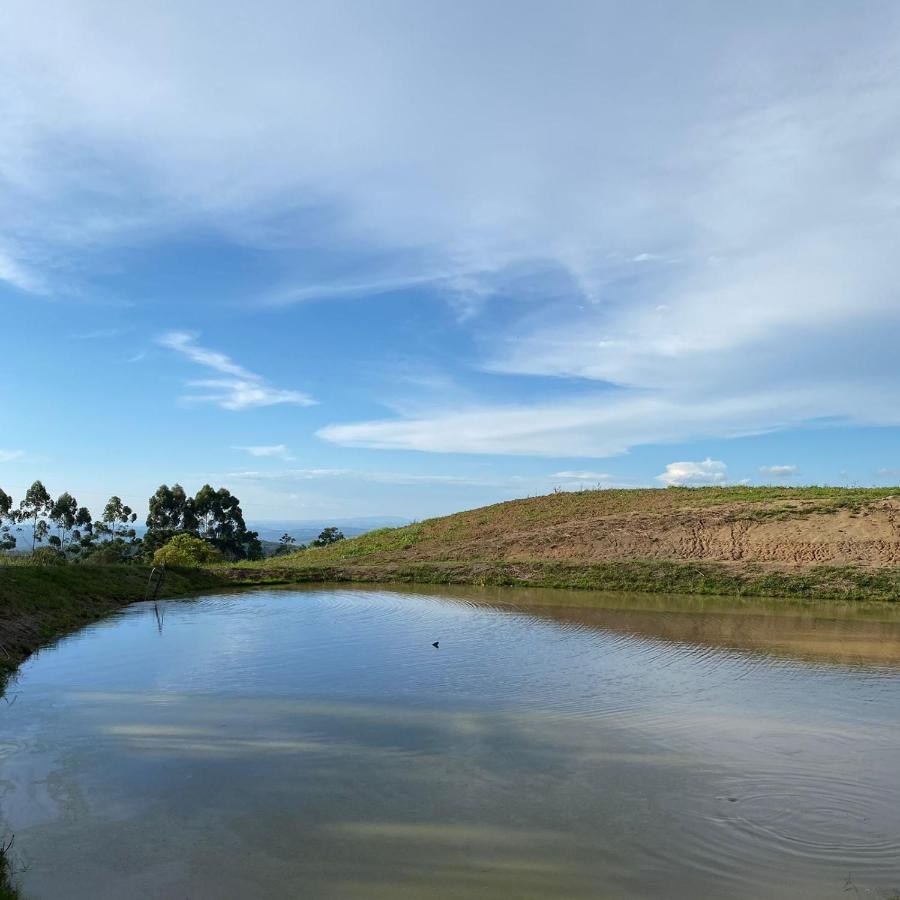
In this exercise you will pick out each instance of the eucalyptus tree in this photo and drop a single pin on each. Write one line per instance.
(63, 516)
(40, 532)
(83, 533)
(8, 517)
(171, 512)
(220, 522)
(36, 504)
(117, 516)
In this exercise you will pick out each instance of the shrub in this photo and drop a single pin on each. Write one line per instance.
(186, 550)
(48, 556)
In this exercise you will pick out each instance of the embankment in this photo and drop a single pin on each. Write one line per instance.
(793, 542)
(39, 604)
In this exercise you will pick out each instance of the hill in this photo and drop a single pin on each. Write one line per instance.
(809, 541)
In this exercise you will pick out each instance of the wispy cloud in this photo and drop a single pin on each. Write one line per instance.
(608, 423)
(10, 455)
(350, 289)
(241, 389)
(710, 255)
(515, 485)
(398, 478)
(97, 334)
(16, 273)
(583, 476)
(779, 471)
(690, 474)
(279, 451)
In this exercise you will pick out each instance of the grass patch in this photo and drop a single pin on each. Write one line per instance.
(38, 604)
(647, 576)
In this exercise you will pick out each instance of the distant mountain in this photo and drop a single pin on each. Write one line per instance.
(305, 530)
(270, 531)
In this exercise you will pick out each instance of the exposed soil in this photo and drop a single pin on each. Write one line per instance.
(721, 534)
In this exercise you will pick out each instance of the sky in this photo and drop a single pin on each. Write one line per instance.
(403, 258)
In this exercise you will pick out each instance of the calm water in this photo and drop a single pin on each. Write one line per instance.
(312, 742)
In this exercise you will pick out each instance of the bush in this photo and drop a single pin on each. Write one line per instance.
(108, 553)
(186, 550)
(48, 556)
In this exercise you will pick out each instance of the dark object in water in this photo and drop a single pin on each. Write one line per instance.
(435, 644)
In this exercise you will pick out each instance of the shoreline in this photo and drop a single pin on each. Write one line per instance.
(40, 604)
(639, 576)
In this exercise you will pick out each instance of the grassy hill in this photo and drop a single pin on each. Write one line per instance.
(812, 541)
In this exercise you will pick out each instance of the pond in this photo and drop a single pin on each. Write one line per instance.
(312, 742)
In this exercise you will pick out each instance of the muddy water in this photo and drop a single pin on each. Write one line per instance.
(312, 742)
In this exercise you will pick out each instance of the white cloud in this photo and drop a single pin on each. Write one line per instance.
(14, 272)
(716, 202)
(539, 483)
(691, 474)
(212, 359)
(242, 389)
(275, 450)
(610, 422)
(398, 478)
(97, 334)
(10, 455)
(779, 471)
(582, 476)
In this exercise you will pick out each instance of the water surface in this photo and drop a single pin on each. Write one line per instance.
(311, 742)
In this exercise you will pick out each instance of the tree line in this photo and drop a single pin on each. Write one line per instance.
(61, 529)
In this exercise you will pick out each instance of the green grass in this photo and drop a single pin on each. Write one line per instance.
(463, 548)
(647, 576)
(40, 603)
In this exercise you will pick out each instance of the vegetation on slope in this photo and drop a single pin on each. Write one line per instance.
(578, 539)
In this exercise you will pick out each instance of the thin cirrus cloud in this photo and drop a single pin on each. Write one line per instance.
(239, 389)
(377, 477)
(609, 423)
(277, 451)
(10, 455)
(582, 476)
(716, 203)
(516, 483)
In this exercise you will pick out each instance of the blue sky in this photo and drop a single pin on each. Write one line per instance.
(403, 258)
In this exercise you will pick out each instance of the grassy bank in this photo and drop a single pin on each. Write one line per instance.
(647, 576)
(39, 604)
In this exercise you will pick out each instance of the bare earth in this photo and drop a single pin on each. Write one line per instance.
(781, 527)
(721, 534)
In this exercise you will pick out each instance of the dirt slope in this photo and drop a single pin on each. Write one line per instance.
(782, 527)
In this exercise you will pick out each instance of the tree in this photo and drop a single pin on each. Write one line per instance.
(64, 515)
(186, 550)
(8, 518)
(171, 511)
(220, 521)
(327, 537)
(41, 530)
(116, 518)
(286, 544)
(37, 503)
